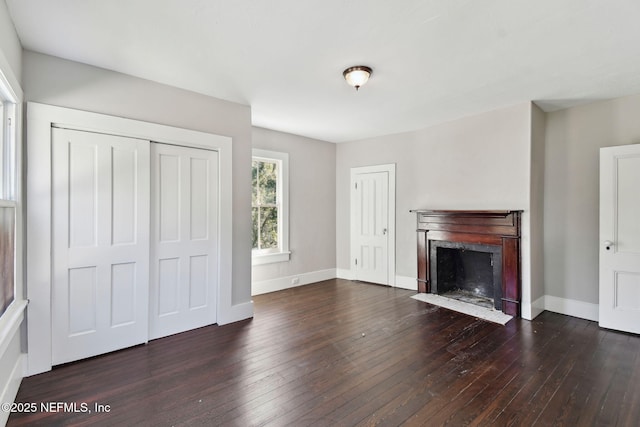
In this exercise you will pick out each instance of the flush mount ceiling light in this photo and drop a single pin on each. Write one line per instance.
(357, 76)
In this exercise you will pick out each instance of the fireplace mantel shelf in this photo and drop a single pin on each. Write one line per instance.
(484, 227)
(492, 213)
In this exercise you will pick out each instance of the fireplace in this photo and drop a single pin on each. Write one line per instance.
(473, 256)
(467, 272)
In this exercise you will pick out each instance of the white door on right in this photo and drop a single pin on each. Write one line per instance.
(184, 239)
(620, 238)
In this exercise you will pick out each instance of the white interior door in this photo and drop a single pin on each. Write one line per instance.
(370, 225)
(100, 243)
(620, 238)
(184, 249)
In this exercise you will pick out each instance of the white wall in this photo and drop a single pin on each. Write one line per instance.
(571, 203)
(55, 81)
(11, 324)
(536, 217)
(10, 48)
(478, 162)
(312, 211)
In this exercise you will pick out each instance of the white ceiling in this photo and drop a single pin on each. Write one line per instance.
(432, 60)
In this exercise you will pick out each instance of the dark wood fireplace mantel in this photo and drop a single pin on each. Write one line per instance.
(496, 227)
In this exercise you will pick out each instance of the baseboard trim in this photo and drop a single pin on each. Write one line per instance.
(569, 307)
(12, 385)
(403, 282)
(537, 307)
(342, 273)
(281, 283)
(575, 308)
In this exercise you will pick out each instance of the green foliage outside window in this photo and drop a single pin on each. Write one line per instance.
(264, 204)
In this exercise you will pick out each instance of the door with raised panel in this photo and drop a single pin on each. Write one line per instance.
(370, 202)
(100, 243)
(184, 230)
(619, 304)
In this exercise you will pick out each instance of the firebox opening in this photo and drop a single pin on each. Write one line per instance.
(469, 273)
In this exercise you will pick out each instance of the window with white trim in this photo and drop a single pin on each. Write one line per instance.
(7, 198)
(269, 207)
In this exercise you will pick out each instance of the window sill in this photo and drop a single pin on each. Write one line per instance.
(270, 258)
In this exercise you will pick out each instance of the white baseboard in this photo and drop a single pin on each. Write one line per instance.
(405, 282)
(575, 308)
(346, 274)
(281, 283)
(12, 385)
(537, 307)
(569, 307)
(580, 309)
(236, 313)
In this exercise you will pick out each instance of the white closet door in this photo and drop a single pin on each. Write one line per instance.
(100, 252)
(184, 248)
(371, 226)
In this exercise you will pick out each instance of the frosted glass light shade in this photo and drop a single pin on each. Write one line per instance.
(357, 76)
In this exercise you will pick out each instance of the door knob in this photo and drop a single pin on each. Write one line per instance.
(384, 231)
(608, 244)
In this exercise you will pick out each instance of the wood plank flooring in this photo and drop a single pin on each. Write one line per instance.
(341, 353)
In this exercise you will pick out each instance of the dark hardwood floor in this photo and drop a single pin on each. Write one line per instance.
(340, 353)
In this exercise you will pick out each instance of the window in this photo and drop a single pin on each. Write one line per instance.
(7, 149)
(7, 198)
(7, 255)
(269, 207)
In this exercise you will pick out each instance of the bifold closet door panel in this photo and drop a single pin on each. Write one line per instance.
(184, 239)
(100, 243)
